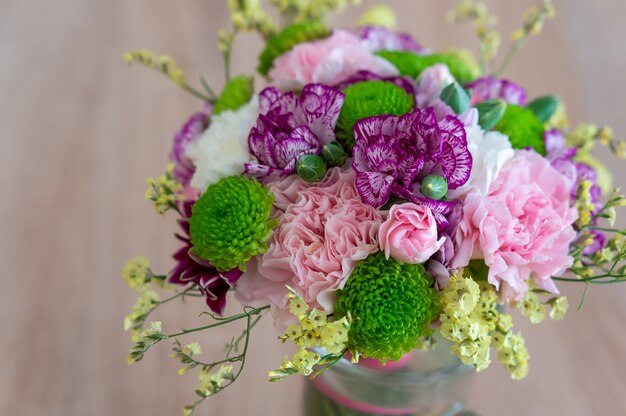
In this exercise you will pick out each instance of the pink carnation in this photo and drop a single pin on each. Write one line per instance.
(410, 234)
(327, 61)
(324, 231)
(522, 227)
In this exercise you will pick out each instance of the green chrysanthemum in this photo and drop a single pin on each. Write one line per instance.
(230, 222)
(523, 128)
(391, 305)
(412, 65)
(368, 99)
(287, 39)
(237, 92)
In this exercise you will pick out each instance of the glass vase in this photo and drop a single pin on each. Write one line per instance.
(432, 383)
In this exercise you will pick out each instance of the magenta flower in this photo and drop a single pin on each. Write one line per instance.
(191, 269)
(488, 88)
(393, 154)
(188, 134)
(290, 126)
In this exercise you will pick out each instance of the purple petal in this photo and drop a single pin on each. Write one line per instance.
(373, 187)
(455, 158)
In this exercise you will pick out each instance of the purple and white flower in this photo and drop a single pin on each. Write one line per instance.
(488, 88)
(290, 126)
(193, 128)
(381, 38)
(392, 154)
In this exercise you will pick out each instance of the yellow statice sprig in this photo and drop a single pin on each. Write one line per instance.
(532, 307)
(586, 135)
(313, 333)
(468, 316)
(471, 321)
(512, 353)
(532, 24)
(146, 303)
(484, 26)
(603, 265)
(144, 340)
(298, 11)
(533, 20)
(164, 191)
(249, 16)
(137, 273)
(167, 66)
(211, 383)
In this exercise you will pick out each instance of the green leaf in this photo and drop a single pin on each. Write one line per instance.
(544, 107)
(456, 97)
(490, 112)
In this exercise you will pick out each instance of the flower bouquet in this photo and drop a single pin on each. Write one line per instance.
(374, 196)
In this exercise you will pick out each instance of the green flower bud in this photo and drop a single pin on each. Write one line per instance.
(334, 154)
(311, 168)
(456, 97)
(544, 107)
(490, 112)
(434, 187)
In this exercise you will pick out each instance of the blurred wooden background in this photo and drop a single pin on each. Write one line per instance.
(81, 132)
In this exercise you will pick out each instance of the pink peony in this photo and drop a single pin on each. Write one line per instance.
(324, 231)
(410, 234)
(522, 227)
(327, 61)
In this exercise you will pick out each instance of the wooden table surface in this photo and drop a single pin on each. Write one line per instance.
(81, 133)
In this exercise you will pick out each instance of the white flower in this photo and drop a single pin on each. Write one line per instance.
(490, 152)
(222, 150)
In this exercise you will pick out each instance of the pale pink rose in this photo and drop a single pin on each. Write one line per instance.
(409, 234)
(324, 231)
(327, 61)
(522, 227)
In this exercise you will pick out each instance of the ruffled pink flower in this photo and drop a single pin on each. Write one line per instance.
(327, 61)
(522, 227)
(324, 231)
(409, 234)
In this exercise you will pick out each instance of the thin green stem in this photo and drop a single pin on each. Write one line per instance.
(225, 321)
(197, 93)
(207, 87)
(517, 45)
(179, 294)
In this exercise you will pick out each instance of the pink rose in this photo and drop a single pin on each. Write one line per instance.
(324, 231)
(522, 227)
(410, 234)
(327, 61)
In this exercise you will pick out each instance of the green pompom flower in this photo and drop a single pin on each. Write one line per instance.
(287, 39)
(237, 92)
(230, 222)
(523, 128)
(391, 306)
(412, 65)
(368, 99)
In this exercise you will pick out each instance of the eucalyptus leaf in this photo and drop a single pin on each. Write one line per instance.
(490, 112)
(456, 97)
(544, 107)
